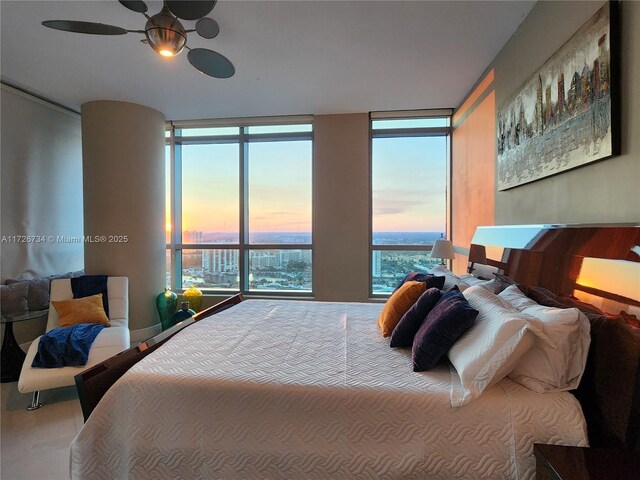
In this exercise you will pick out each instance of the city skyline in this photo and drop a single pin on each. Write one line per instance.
(288, 269)
(379, 238)
(291, 268)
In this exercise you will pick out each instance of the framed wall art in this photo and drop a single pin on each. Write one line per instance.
(567, 114)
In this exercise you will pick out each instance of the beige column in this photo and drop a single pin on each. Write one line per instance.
(124, 181)
(341, 207)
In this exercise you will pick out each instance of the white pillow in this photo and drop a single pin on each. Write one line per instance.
(490, 285)
(450, 280)
(488, 351)
(546, 369)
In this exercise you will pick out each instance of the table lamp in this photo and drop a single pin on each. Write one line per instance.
(442, 249)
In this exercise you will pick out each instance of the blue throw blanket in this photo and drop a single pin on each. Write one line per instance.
(67, 346)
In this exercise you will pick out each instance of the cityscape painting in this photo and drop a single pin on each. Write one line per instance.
(562, 116)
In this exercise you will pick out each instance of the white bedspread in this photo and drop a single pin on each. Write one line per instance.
(309, 390)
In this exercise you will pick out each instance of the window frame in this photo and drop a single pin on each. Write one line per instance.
(405, 133)
(175, 140)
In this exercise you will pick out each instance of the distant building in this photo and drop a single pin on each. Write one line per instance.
(286, 256)
(220, 261)
(264, 259)
(192, 237)
(280, 258)
(377, 263)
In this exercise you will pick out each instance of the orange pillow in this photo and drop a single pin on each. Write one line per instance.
(81, 310)
(398, 304)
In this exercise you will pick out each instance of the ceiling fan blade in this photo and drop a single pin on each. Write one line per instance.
(84, 27)
(207, 28)
(211, 63)
(191, 9)
(135, 5)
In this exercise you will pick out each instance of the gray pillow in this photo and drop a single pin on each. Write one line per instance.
(74, 274)
(13, 299)
(38, 292)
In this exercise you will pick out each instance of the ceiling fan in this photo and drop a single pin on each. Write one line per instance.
(165, 33)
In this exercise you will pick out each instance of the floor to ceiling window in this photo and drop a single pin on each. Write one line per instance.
(409, 163)
(241, 207)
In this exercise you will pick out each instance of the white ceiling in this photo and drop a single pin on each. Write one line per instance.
(291, 57)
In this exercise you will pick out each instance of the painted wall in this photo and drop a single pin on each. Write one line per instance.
(472, 167)
(605, 191)
(41, 192)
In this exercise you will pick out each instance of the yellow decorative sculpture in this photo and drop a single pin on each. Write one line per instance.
(194, 297)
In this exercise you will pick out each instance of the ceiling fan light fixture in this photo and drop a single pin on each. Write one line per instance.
(166, 42)
(165, 33)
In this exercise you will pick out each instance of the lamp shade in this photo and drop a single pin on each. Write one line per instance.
(442, 249)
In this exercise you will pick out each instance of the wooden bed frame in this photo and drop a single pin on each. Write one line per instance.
(583, 266)
(547, 262)
(94, 382)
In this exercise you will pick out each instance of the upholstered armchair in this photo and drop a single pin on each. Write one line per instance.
(110, 341)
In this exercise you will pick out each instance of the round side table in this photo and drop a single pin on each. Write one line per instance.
(12, 356)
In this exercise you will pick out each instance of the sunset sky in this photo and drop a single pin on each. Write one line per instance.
(210, 188)
(409, 186)
(280, 187)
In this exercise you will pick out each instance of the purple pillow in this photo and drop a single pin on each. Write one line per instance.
(445, 323)
(430, 280)
(410, 322)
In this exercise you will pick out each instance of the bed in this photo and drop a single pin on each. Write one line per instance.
(296, 389)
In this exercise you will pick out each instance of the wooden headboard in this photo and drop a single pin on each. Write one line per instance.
(597, 269)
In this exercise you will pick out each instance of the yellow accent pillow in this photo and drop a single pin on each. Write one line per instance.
(81, 310)
(398, 304)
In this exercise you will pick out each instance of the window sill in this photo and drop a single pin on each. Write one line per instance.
(252, 295)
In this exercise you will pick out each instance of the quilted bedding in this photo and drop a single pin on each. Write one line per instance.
(309, 390)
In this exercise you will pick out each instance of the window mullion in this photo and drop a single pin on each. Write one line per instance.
(176, 212)
(243, 257)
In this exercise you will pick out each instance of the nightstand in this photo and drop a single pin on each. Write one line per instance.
(558, 462)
